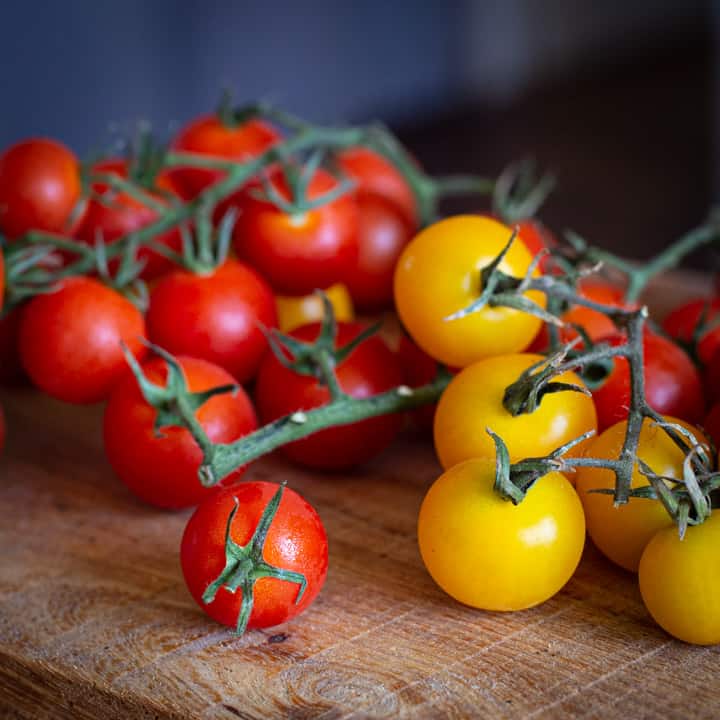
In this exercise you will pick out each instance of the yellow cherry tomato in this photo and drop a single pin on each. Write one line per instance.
(293, 312)
(473, 401)
(438, 274)
(490, 554)
(680, 581)
(621, 533)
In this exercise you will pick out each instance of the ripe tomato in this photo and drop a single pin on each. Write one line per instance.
(39, 187)
(302, 252)
(383, 232)
(711, 377)
(70, 340)
(680, 582)
(711, 424)
(536, 238)
(680, 324)
(293, 311)
(11, 370)
(119, 214)
(418, 369)
(439, 274)
(216, 317)
(295, 542)
(208, 135)
(672, 383)
(621, 533)
(377, 176)
(490, 554)
(473, 401)
(162, 469)
(369, 370)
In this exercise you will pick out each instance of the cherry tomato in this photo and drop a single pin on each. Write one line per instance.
(216, 317)
(39, 187)
(70, 340)
(680, 324)
(536, 238)
(418, 369)
(711, 377)
(112, 215)
(490, 554)
(621, 533)
(680, 582)
(302, 252)
(369, 370)
(711, 424)
(438, 274)
(672, 383)
(473, 401)
(296, 542)
(378, 176)
(383, 232)
(208, 135)
(11, 370)
(162, 468)
(293, 311)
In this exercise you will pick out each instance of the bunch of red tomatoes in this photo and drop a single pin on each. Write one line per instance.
(254, 554)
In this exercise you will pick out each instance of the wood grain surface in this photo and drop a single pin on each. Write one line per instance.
(95, 620)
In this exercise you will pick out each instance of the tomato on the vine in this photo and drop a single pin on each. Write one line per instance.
(621, 533)
(216, 316)
(473, 401)
(161, 467)
(682, 322)
(369, 370)
(418, 369)
(296, 311)
(295, 543)
(40, 188)
(488, 553)
(298, 252)
(439, 274)
(70, 339)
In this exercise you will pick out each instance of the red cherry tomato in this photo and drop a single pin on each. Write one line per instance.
(113, 215)
(217, 317)
(418, 369)
(536, 238)
(162, 469)
(70, 340)
(681, 323)
(296, 542)
(11, 370)
(304, 252)
(383, 232)
(672, 383)
(369, 370)
(207, 135)
(39, 187)
(378, 176)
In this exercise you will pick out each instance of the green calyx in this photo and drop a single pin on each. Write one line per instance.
(244, 564)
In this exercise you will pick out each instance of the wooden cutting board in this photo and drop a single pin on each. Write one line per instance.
(95, 620)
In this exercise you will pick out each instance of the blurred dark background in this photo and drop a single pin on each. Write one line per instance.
(619, 99)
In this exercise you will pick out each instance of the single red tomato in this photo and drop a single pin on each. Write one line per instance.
(680, 324)
(70, 340)
(378, 176)
(383, 232)
(40, 188)
(208, 135)
(162, 468)
(672, 383)
(295, 544)
(369, 370)
(711, 424)
(217, 316)
(11, 370)
(536, 238)
(418, 369)
(111, 215)
(299, 253)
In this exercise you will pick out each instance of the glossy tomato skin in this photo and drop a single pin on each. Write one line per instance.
(375, 175)
(295, 541)
(162, 469)
(672, 383)
(473, 401)
(216, 317)
(622, 533)
(119, 214)
(383, 232)
(438, 274)
(295, 311)
(303, 252)
(680, 324)
(369, 370)
(680, 582)
(70, 340)
(208, 135)
(534, 549)
(39, 187)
